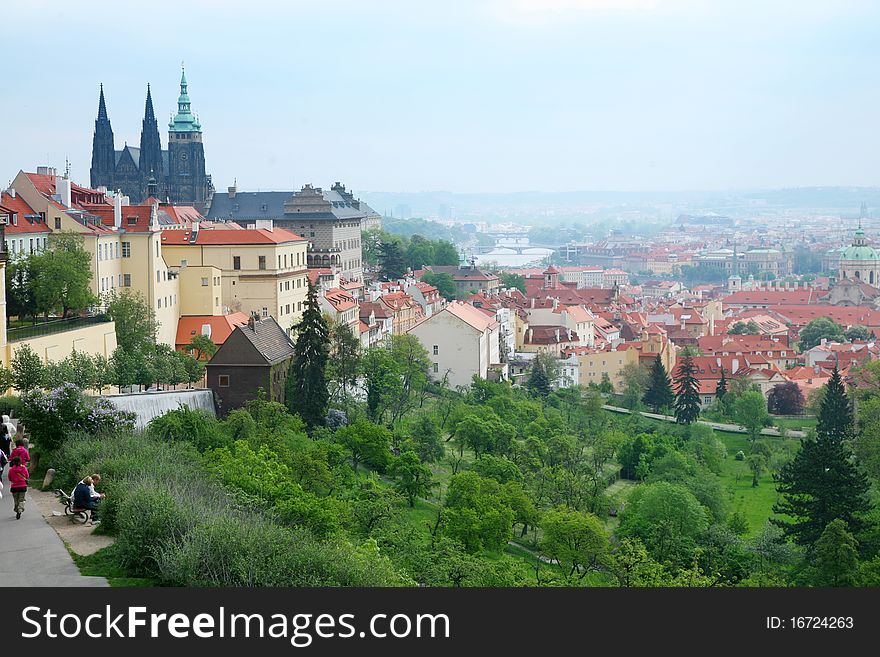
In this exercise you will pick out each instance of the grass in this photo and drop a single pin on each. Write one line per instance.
(798, 423)
(104, 563)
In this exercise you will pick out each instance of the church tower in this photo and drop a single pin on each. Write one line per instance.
(103, 154)
(187, 182)
(151, 148)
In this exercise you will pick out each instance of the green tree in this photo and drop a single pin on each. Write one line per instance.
(201, 347)
(444, 283)
(445, 253)
(836, 557)
(307, 394)
(659, 394)
(20, 300)
(687, 396)
(411, 477)
(576, 540)
(750, 410)
(823, 482)
(426, 439)
(62, 276)
(817, 330)
(344, 366)
(124, 368)
(366, 443)
(542, 375)
(510, 279)
(135, 321)
(605, 385)
(635, 379)
(392, 260)
(756, 463)
(860, 333)
(419, 252)
(476, 513)
(721, 387)
(27, 369)
(745, 328)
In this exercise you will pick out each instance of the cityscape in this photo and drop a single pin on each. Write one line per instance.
(213, 383)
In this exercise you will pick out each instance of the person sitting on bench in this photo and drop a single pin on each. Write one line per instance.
(85, 497)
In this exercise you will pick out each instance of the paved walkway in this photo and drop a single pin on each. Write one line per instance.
(720, 426)
(32, 553)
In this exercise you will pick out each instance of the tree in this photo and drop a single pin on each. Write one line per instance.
(750, 410)
(476, 513)
(445, 253)
(635, 379)
(344, 365)
(20, 300)
(366, 443)
(307, 394)
(27, 369)
(426, 440)
(745, 328)
(687, 396)
(836, 557)
(391, 260)
(659, 394)
(785, 399)
(444, 283)
(135, 321)
(124, 368)
(411, 477)
(605, 385)
(817, 330)
(62, 276)
(510, 279)
(201, 347)
(823, 482)
(835, 418)
(859, 333)
(721, 387)
(542, 375)
(756, 463)
(575, 540)
(419, 252)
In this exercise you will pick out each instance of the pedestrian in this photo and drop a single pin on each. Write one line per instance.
(10, 427)
(18, 483)
(21, 451)
(5, 441)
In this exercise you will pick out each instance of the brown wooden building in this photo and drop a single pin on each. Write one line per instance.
(257, 355)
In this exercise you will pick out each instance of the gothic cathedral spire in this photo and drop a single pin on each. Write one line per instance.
(151, 147)
(103, 153)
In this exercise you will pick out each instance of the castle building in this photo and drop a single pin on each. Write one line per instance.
(176, 175)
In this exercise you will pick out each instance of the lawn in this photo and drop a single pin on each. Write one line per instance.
(103, 563)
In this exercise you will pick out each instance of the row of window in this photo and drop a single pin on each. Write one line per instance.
(286, 309)
(284, 266)
(109, 283)
(285, 286)
(206, 281)
(35, 244)
(352, 243)
(170, 300)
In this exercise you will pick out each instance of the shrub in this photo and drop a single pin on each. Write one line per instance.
(740, 456)
(186, 424)
(10, 405)
(51, 417)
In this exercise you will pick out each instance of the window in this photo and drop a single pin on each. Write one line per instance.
(262, 262)
(158, 276)
(184, 263)
(281, 287)
(117, 249)
(126, 249)
(436, 350)
(126, 280)
(223, 380)
(265, 312)
(57, 223)
(436, 368)
(205, 281)
(132, 221)
(236, 262)
(287, 309)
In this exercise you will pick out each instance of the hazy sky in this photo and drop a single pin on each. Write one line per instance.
(485, 95)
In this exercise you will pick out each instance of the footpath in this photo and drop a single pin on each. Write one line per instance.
(33, 553)
(720, 426)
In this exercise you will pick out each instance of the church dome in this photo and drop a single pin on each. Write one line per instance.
(859, 251)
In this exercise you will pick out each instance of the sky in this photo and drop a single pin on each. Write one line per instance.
(477, 96)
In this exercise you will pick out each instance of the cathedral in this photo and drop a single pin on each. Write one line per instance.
(176, 175)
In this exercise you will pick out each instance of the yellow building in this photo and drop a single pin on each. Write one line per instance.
(262, 271)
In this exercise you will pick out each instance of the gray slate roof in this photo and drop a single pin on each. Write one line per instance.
(249, 206)
(269, 339)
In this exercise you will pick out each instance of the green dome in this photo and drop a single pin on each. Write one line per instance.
(859, 253)
(185, 120)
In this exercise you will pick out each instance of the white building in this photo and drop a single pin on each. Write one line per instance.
(462, 341)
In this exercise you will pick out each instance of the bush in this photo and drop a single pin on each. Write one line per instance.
(740, 456)
(52, 417)
(186, 424)
(10, 405)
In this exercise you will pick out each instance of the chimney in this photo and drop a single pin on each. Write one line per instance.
(62, 189)
(117, 211)
(252, 321)
(557, 335)
(264, 224)
(231, 191)
(11, 192)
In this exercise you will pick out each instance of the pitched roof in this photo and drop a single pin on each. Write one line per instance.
(222, 326)
(230, 237)
(269, 339)
(470, 316)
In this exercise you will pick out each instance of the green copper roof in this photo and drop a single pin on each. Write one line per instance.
(859, 253)
(185, 120)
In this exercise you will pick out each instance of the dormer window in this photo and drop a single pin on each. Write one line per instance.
(132, 221)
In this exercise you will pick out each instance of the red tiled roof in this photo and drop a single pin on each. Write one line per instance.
(222, 327)
(230, 237)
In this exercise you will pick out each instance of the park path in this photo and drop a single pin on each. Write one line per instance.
(720, 426)
(31, 552)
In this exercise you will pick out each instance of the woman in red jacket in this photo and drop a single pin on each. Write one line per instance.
(18, 482)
